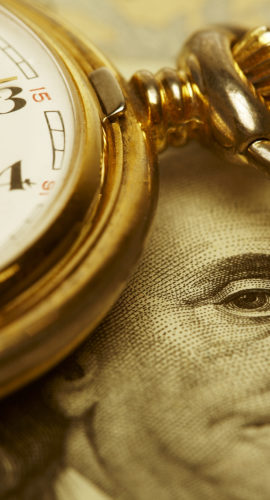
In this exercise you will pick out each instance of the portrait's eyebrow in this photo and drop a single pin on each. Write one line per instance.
(209, 279)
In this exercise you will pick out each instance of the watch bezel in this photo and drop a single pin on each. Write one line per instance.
(79, 196)
(50, 316)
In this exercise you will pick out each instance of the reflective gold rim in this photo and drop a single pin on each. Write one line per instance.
(80, 191)
(47, 320)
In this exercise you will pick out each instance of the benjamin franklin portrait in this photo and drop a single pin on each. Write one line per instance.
(169, 398)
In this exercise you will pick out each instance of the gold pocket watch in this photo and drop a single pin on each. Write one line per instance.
(78, 169)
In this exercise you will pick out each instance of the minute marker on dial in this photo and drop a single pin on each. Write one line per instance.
(57, 131)
(22, 64)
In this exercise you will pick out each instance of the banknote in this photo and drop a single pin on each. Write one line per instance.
(169, 398)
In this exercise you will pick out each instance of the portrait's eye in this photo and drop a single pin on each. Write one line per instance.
(250, 300)
(241, 298)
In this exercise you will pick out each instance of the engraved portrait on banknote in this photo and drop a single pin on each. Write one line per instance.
(169, 398)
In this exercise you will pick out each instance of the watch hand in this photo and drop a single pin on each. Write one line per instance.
(10, 79)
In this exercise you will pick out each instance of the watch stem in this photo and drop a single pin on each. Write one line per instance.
(168, 105)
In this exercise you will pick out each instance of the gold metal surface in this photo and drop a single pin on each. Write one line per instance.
(109, 92)
(47, 309)
(252, 53)
(81, 192)
(219, 94)
(168, 105)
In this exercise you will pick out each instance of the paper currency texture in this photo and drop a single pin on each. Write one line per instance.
(169, 398)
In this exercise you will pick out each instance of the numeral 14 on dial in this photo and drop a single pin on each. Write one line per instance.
(15, 179)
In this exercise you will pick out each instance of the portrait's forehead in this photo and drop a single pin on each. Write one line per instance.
(212, 227)
(201, 179)
(212, 221)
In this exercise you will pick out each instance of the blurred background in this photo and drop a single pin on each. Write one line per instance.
(147, 34)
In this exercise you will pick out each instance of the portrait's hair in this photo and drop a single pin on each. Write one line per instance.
(32, 440)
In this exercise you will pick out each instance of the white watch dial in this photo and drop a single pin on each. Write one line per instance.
(37, 128)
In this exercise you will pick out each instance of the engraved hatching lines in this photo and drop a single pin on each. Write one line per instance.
(18, 59)
(58, 136)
